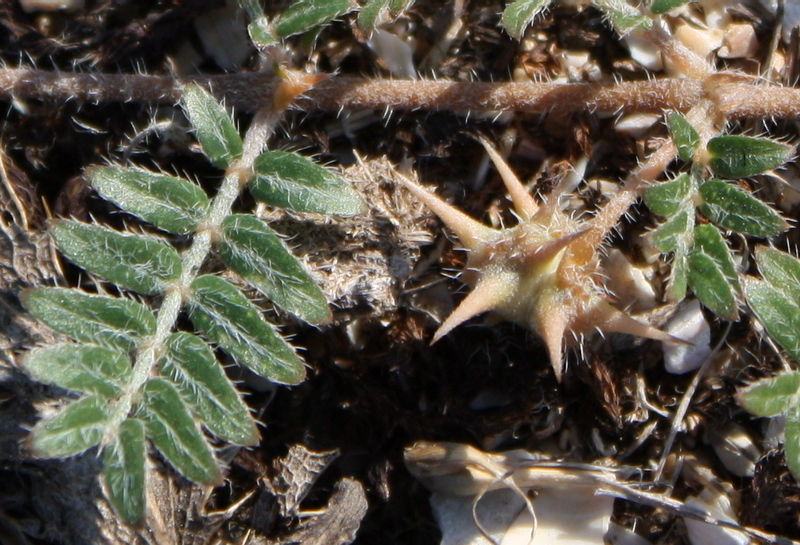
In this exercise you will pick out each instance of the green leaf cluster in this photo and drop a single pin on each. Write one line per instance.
(125, 401)
(308, 16)
(702, 259)
(519, 14)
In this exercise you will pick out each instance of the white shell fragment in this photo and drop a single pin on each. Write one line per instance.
(735, 449)
(690, 325)
(571, 516)
(636, 124)
(619, 535)
(223, 33)
(643, 51)
(30, 6)
(394, 52)
(628, 283)
(718, 505)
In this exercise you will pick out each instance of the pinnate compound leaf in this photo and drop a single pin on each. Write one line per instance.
(83, 368)
(736, 156)
(623, 16)
(771, 396)
(141, 264)
(521, 13)
(791, 446)
(712, 274)
(663, 6)
(304, 15)
(777, 306)
(175, 433)
(685, 137)
(99, 319)
(213, 127)
(224, 314)
(124, 471)
(668, 198)
(172, 204)
(289, 180)
(192, 368)
(74, 429)
(779, 269)
(256, 252)
(734, 209)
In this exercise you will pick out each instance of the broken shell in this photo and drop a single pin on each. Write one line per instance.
(735, 449)
(690, 325)
(717, 504)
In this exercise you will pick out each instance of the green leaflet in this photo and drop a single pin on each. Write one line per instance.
(666, 199)
(675, 236)
(779, 269)
(683, 135)
(791, 446)
(712, 274)
(676, 232)
(663, 6)
(622, 16)
(84, 368)
(73, 429)
(260, 32)
(229, 319)
(176, 434)
(141, 264)
(521, 13)
(213, 127)
(679, 275)
(304, 15)
(735, 156)
(778, 310)
(369, 14)
(172, 204)
(771, 396)
(107, 321)
(396, 7)
(734, 209)
(124, 459)
(259, 29)
(256, 252)
(192, 367)
(292, 181)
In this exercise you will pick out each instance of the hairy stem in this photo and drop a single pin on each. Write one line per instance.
(737, 98)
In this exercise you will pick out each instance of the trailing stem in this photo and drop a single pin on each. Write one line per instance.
(736, 96)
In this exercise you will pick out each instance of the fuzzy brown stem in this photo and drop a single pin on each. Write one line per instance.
(585, 249)
(250, 91)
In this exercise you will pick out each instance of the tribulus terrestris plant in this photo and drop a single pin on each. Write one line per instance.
(139, 379)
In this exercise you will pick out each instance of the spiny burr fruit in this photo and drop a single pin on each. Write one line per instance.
(543, 273)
